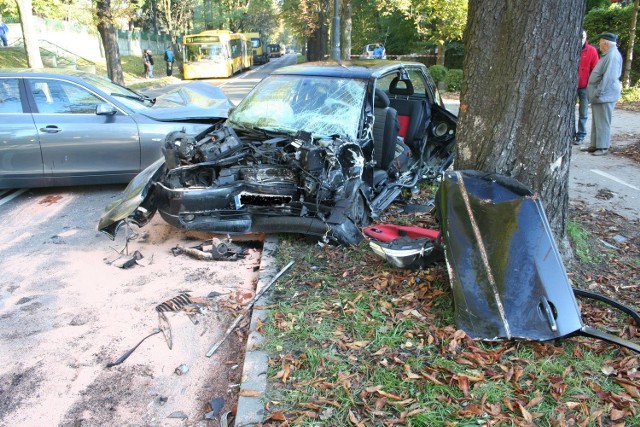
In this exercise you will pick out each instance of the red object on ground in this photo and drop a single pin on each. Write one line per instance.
(389, 232)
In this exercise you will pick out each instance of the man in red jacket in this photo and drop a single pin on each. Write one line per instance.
(588, 61)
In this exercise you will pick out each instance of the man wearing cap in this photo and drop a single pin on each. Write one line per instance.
(588, 60)
(604, 89)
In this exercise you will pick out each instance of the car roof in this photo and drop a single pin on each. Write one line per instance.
(363, 69)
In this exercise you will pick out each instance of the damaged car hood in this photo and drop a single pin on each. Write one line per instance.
(193, 101)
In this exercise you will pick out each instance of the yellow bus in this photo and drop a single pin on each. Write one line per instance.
(260, 55)
(247, 51)
(213, 53)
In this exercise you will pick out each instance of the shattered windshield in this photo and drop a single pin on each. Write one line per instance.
(323, 106)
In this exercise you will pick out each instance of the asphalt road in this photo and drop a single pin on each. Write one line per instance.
(66, 312)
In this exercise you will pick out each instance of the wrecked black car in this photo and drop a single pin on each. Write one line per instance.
(317, 148)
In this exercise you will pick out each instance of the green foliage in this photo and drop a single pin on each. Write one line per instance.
(614, 19)
(595, 4)
(440, 21)
(453, 80)
(438, 72)
(631, 94)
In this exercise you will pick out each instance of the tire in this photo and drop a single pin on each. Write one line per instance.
(359, 212)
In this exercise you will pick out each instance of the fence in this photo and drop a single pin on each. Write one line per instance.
(85, 41)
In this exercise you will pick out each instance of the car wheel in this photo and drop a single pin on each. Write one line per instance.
(359, 213)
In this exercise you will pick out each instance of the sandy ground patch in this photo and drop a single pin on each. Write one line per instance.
(65, 313)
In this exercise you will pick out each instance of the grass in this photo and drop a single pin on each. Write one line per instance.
(131, 66)
(353, 341)
(581, 241)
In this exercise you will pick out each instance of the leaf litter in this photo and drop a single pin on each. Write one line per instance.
(354, 341)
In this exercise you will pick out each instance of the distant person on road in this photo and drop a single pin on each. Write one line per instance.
(169, 58)
(377, 51)
(147, 59)
(588, 60)
(604, 89)
(4, 30)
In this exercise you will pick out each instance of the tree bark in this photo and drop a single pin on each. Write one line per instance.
(440, 56)
(110, 42)
(517, 109)
(31, 46)
(626, 78)
(346, 29)
(318, 38)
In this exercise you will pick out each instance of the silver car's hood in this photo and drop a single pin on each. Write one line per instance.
(193, 101)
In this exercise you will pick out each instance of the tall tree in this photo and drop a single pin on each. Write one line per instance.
(34, 60)
(346, 23)
(308, 20)
(439, 21)
(108, 14)
(175, 17)
(626, 77)
(517, 107)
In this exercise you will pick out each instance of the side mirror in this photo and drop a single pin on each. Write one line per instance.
(105, 109)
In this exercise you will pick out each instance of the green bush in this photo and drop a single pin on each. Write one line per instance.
(631, 94)
(614, 19)
(453, 80)
(438, 72)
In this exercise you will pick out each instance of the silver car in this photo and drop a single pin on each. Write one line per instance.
(71, 128)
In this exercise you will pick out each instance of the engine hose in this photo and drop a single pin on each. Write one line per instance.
(609, 301)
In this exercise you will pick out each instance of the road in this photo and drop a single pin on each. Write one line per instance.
(67, 311)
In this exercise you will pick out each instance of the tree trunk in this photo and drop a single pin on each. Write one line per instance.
(517, 109)
(626, 78)
(110, 42)
(440, 57)
(346, 29)
(31, 46)
(318, 39)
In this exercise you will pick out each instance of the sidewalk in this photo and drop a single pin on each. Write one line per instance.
(609, 182)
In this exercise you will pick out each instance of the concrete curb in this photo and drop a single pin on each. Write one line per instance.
(250, 410)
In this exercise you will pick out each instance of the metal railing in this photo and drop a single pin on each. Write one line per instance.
(54, 56)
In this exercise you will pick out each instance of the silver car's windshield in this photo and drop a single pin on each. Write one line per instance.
(133, 99)
(322, 106)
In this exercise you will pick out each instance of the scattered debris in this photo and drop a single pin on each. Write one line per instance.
(609, 245)
(178, 414)
(619, 239)
(128, 261)
(246, 310)
(214, 250)
(175, 303)
(182, 369)
(604, 194)
(216, 405)
(163, 326)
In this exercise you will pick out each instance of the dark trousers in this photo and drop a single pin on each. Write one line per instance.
(169, 68)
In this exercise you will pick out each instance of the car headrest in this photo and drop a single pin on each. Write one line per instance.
(381, 99)
(395, 90)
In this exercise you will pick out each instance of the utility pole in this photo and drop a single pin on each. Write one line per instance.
(336, 31)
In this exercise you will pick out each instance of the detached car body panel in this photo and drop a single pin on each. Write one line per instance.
(506, 273)
(73, 128)
(316, 148)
